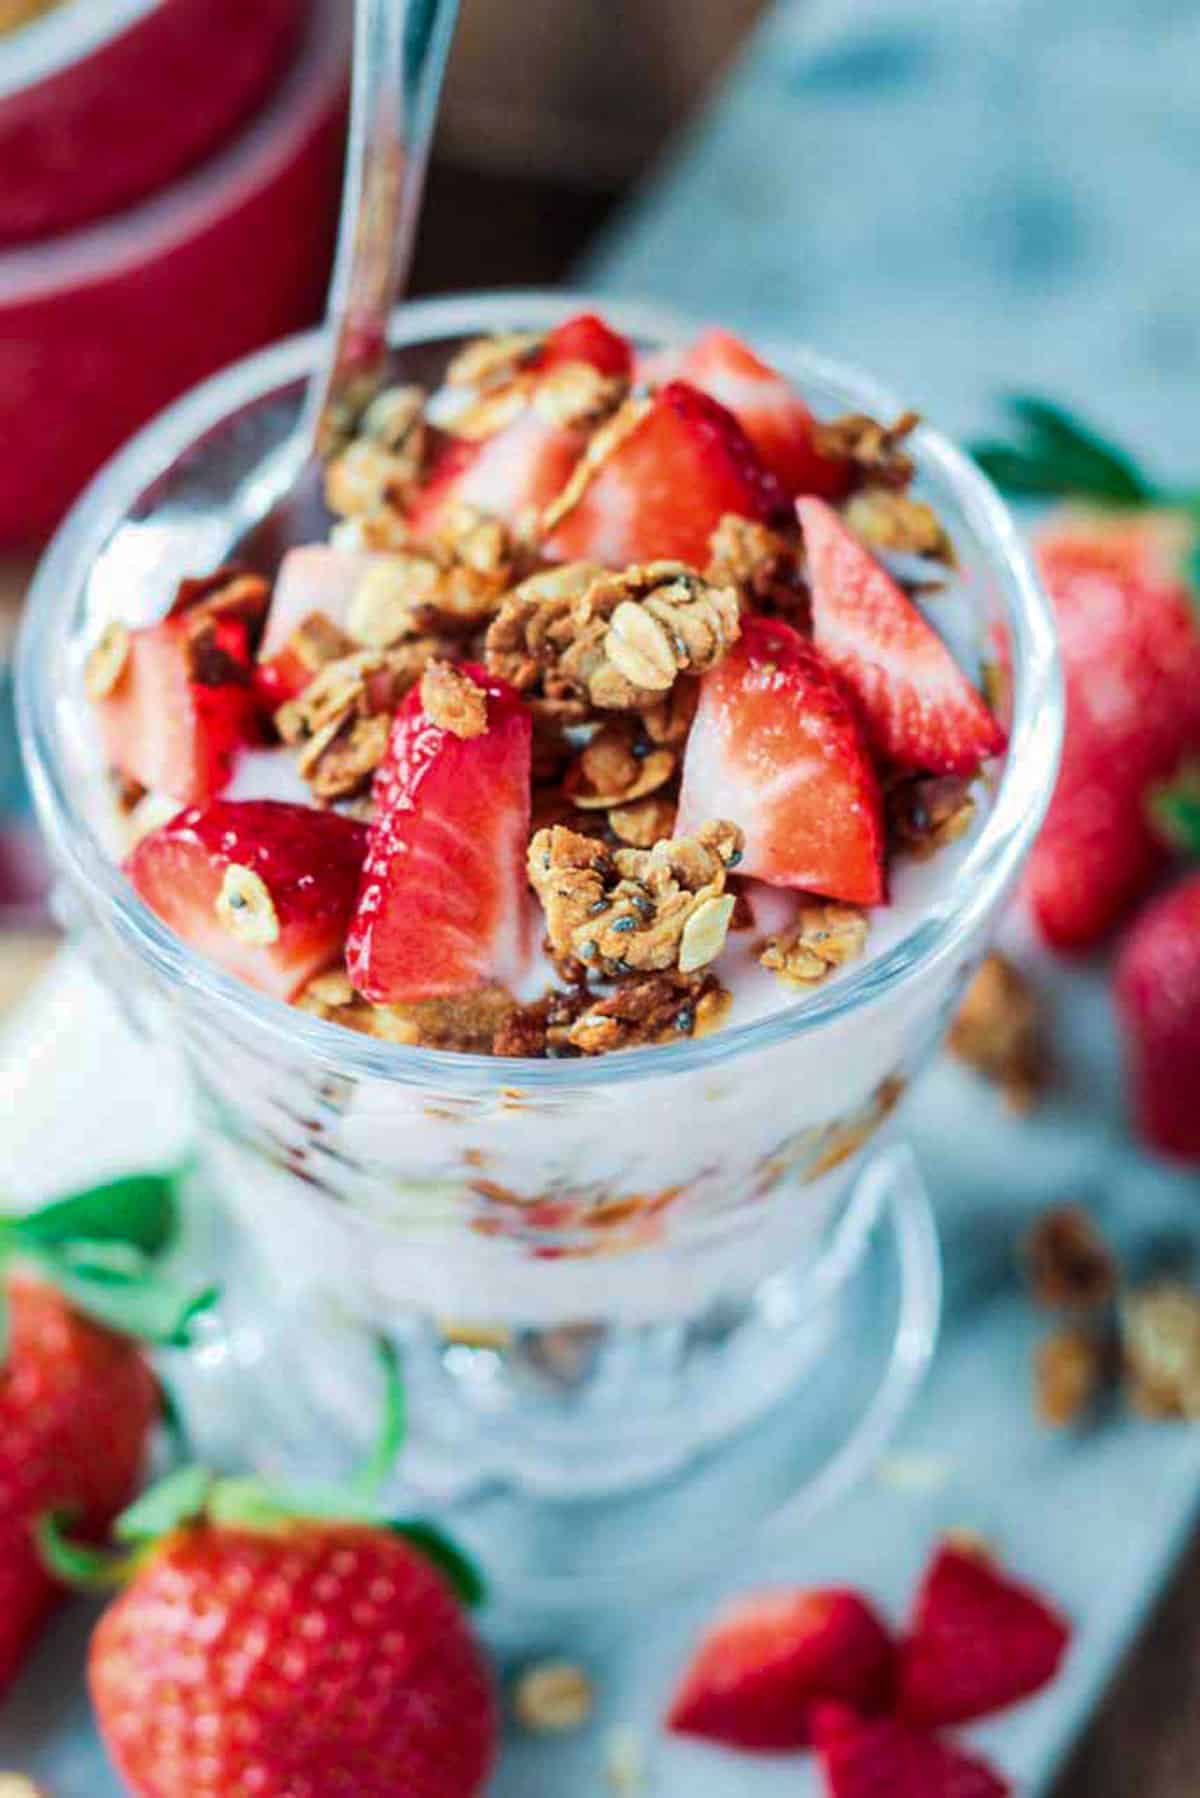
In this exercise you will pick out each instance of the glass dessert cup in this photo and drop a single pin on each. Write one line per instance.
(604, 1273)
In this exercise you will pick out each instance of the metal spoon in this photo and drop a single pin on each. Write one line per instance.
(400, 50)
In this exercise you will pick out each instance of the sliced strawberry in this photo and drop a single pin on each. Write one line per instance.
(768, 1658)
(776, 748)
(316, 578)
(306, 862)
(920, 708)
(175, 718)
(510, 475)
(1158, 1001)
(883, 1758)
(1131, 653)
(443, 903)
(665, 487)
(586, 338)
(772, 414)
(979, 1641)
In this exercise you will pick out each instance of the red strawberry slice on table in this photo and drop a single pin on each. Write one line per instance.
(665, 487)
(586, 338)
(979, 1641)
(922, 711)
(777, 748)
(443, 904)
(770, 411)
(264, 888)
(173, 721)
(884, 1758)
(770, 1656)
(1131, 654)
(1158, 1002)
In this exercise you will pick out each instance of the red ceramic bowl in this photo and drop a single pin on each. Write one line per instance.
(105, 101)
(99, 329)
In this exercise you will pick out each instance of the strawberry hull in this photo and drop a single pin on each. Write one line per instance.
(129, 115)
(98, 329)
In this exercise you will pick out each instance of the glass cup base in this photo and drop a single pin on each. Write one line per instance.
(599, 1460)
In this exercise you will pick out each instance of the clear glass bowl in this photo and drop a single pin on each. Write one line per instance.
(602, 1266)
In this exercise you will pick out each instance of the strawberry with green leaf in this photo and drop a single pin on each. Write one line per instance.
(78, 1402)
(283, 1641)
(1120, 561)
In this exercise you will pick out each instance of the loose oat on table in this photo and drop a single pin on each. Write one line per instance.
(1160, 1343)
(999, 1032)
(1068, 1264)
(823, 936)
(467, 1022)
(926, 814)
(16, 1785)
(1070, 1367)
(616, 767)
(896, 522)
(452, 700)
(625, 911)
(552, 1698)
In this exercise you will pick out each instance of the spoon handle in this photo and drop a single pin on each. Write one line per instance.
(400, 49)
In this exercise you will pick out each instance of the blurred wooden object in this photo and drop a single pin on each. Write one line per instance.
(587, 90)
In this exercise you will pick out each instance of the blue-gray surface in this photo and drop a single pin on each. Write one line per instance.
(964, 198)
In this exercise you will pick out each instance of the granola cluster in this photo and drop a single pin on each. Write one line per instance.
(609, 662)
(1141, 1339)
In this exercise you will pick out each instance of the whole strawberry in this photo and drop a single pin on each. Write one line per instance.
(261, 1653)
(77, 1398)
(1158, 1003)
(1121, 570)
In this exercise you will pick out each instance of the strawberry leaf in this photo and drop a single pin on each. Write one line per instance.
(1059, 457)
(140, 1210)
(179, 1498)
(445, 1554)
(115, 1285)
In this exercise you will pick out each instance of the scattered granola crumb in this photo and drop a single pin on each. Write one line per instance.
(552, 1698)
(1160, 1338)
(1068, 1375)
(624, 911)
(625, 1763)
(823, 936)
(643, 822)
(452, 700)
(998, 1032)
(616, 767)
(16, 1785)
(466, 1334)
(1069, 1265)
